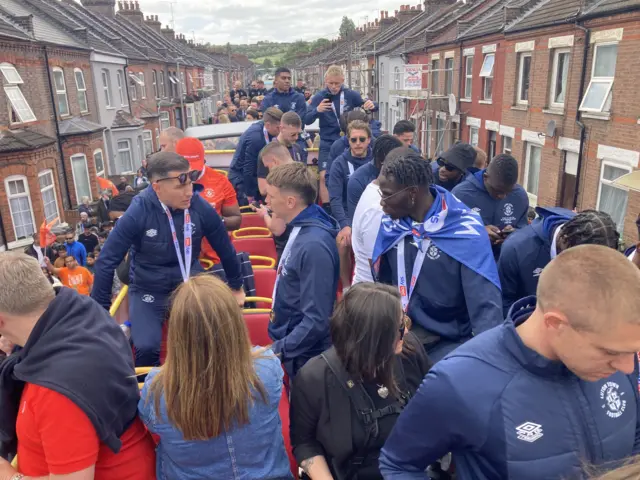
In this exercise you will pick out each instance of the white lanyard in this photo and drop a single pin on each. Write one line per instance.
(405, 295)
(40, 256)
(554, 242)
(185, 265)
(333, 107)
(351, 169)
(283, 259)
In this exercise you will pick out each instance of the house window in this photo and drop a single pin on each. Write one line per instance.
(474, 133)
(20, 110)
(441, 126)
(611, 198)
(435, 77)
(140, 148)
(468, 76)
(61, 91)
(106, 87)
(158, 138)
(396, 78)
(524, 71)
(382, 75)
(190, 114)
(124, 155)
(598, 96)
(133, 89)
(486, 72)
(81, 89)
(448, 76)
(81, 177)
(20, 206)
(506, 144)
(164, 121)
(559, 75)
(183, 86)
(48, 194)
(147, 138)
(532, 169)
(143, 86)
(99, 161)
(172, 88)
(491, 145)
(154, 81)
(161, 80)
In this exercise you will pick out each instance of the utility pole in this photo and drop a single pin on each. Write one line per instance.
(349, 65)
(229, 60)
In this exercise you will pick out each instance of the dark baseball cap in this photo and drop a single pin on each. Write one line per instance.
(460, 155)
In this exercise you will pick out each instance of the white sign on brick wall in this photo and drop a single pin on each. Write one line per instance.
(613, 35)
(474, 122)
(489, 48)
(564, 41)
(525, 46)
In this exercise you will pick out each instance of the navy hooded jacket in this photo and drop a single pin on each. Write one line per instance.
(290, 101)
(450, 299)
(144, 228)
(526, 252)
(512, 210)
(505, 411)
(306, 291)
(376, 128)
(357, 184)
(339, 181)
(329, 125)
(243, 171)
(338, 147)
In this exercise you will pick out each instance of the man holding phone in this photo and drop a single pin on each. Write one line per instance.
(328, 105)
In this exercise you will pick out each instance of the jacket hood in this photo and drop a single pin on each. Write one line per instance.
(550, 219)
(356, 160)
(315, 216)
(376, 128)
(531, 360)
(477, 180)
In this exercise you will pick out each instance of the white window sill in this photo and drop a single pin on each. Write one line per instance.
(606, 116)
(520, 108)
(468, 100)
(553, 111)
(110, 108)
(486, 102)
(20, 243)
(19, 125)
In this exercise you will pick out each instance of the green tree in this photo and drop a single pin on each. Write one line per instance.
(347, 27)
(267, 63)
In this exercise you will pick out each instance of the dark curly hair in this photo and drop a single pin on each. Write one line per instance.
(590, 227)
(383, 146)
(408, 168)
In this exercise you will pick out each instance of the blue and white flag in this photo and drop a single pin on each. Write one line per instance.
(453, 227)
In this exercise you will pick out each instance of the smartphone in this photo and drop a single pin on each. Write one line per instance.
(504, 233)
(328, 96)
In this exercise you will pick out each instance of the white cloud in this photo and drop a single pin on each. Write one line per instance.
(247, 21)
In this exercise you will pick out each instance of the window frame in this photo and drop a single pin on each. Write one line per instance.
(130, 150)
(554, 76)
(48, 188)
(162, 118)
(10, 196)
(143, 85)
(73, 173)
(106, 87)
(520, 86)
(468, 77)
(61, 93)
(492, 144)
(131, 87)
(622, 166)
(162, 91)
(382, 75)
(435, 76)
(471, 128)
(154, 82)
(504, 144)
(13, 70)
(82, 92)
(145, 140)
(396, 78)
(13, 107)
(600, 80)
(487, 76)
(190, 115)
(533, 197)
(99, 172)
(448, 75)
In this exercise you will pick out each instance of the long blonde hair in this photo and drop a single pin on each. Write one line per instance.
(208, 379)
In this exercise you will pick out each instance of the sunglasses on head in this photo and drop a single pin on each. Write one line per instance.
(358, 139)
(449, 168)
(192, 176)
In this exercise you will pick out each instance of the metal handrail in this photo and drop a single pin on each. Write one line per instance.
(116, 303)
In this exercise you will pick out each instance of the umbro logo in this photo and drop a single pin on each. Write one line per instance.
(537, 272)
(148, 298)
(529, 432)
(152, 232)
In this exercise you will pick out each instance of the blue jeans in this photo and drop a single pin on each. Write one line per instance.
(147, 314)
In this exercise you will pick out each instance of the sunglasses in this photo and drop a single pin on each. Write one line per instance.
(448, 168)
(387, 197)
(356, 139)
(192, 176)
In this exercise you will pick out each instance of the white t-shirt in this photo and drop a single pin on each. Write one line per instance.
(365, 226)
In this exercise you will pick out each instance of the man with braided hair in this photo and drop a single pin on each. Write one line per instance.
(436, 250)
(526, 252)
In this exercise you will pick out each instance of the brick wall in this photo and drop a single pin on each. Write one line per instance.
(149, 104)
(86, 145)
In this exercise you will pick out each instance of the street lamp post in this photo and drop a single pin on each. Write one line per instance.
(182, 113)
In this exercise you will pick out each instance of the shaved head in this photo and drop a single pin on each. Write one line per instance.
(592, 286)
(169, 137)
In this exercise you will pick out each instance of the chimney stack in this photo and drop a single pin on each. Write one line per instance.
(168, 33)
(106, 8)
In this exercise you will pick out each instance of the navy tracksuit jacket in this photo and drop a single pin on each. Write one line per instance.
(338, 182)
(506, 412)
(155, 273)
(243, 171)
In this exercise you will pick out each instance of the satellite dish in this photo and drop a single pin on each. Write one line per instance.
(551, 129)
(453, 104)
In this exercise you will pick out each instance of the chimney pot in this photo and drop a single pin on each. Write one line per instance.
(137, 6)
(119, 5)
(156, 18)
(126, 5)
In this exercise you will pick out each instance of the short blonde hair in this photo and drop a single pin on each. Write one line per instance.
(334, 71)
(25, 289)
(297, 178)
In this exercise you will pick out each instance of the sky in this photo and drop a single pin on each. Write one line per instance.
(248, 21)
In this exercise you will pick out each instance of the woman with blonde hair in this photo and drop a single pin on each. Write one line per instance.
(214, 403)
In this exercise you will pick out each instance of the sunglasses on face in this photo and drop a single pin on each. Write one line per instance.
(387, 197)
(358, 139)
(448, 168)
(192, 176)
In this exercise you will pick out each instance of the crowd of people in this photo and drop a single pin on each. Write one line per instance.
(426, 322)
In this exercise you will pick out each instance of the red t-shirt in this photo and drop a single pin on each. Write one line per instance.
(56, 437)
(219, 192)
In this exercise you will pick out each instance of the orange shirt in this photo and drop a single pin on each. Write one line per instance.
(106, 184)
(80, 279)
(56, 437)
(219, 192)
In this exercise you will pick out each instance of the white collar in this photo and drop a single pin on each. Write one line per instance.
(554, 242)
